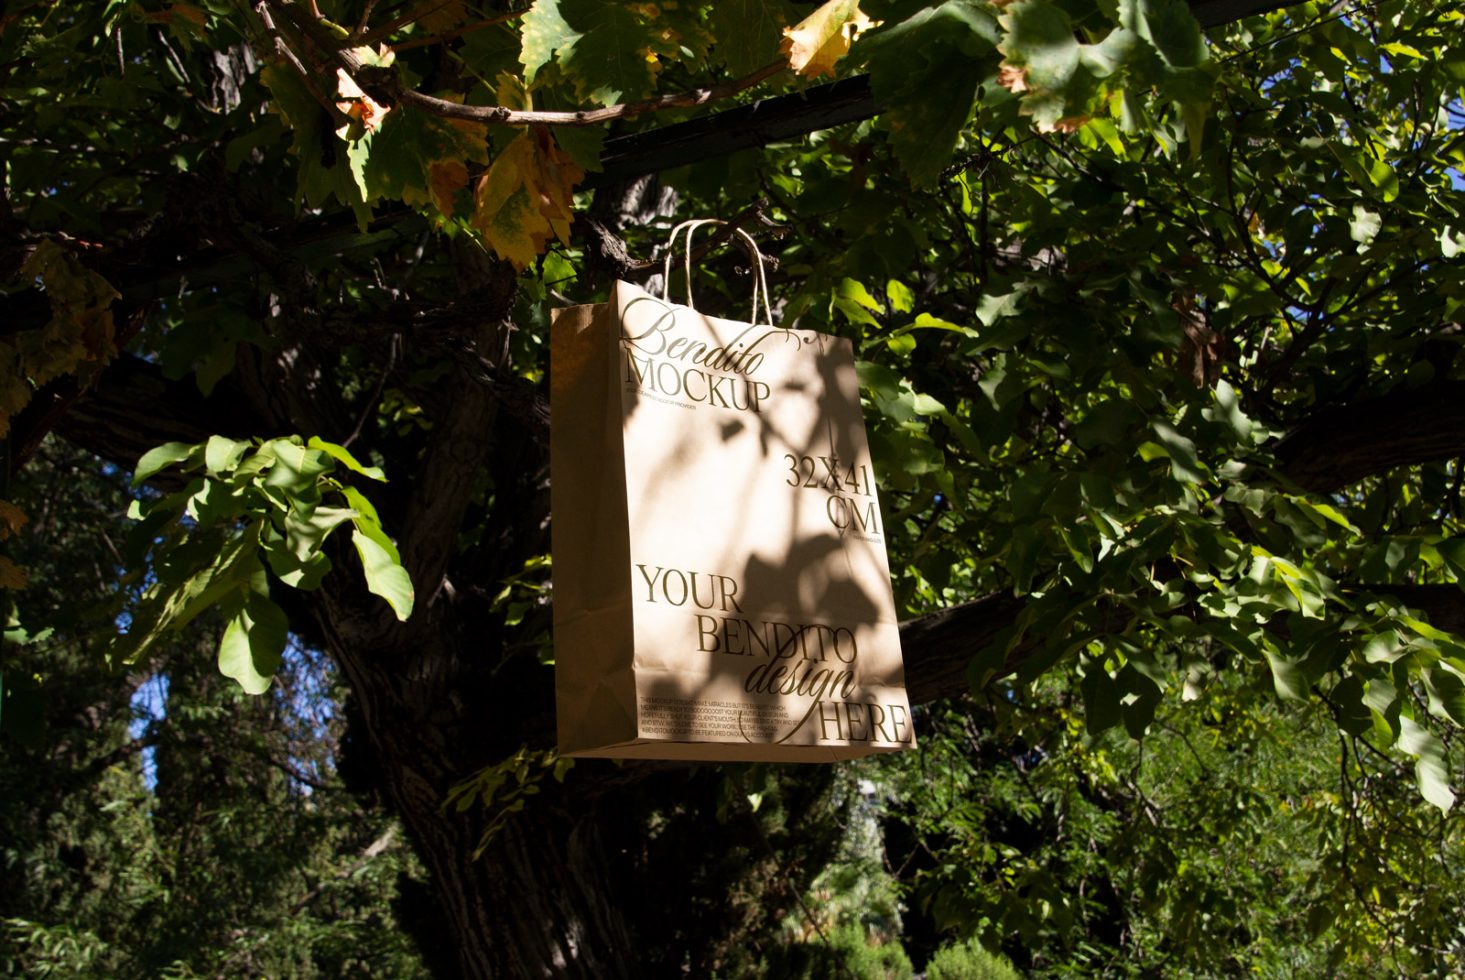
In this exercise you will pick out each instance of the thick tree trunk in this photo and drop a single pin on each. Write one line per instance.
(537, 902)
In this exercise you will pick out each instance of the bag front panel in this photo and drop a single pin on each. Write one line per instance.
(760, 589)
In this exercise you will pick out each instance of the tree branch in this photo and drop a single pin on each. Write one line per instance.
(939, 645)
(134, 408)
(1340, 446)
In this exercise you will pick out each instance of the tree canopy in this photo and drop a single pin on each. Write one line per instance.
(1157, 312)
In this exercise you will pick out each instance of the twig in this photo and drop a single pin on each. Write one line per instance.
(396, 24)
(361, 24)
(1310, 25)
(370, 405)
(284, 50)
(385, 86)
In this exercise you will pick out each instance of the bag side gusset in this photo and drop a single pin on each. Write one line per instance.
(595, 696)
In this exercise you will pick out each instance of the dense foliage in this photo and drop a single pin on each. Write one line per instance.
(1159, 336)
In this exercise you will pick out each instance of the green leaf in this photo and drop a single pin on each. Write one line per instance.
(1040, 44)
(160, 458)
(1383, 178)
(583, 143)
(1452, 242)
(217, 503)
(991, 308)
(1107, 423)
(298, 573)
(253, 643)
(1353, 714)
(297, 468)
(888, 390)
(1431, 767)
(609, 53)
(1140, 699)
(1397, 49)
(305, 534)
(365, 509)
(1365, 224)
(1452, 550)
(385, 575)
(222, 454)
(945, 48)
(855, 302)
(230, 571)
(544, 31)
(1229, 411)
(323, 168)
(1446, 694)
(1288, 678)
(1184, 464)
(164, 610)
(902, 300)
(1384, 648)
(748, 32)
(1022, 557)
(1109, 134)
(926, 321)
(1100, 698)
(1172, 29)
(342, 455)
(1325, 511)
(398, 159)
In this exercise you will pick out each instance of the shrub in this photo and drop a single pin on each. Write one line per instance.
(969, 961)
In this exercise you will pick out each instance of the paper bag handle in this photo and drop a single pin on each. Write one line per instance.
(760, 279)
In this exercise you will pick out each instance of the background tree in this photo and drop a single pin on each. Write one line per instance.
(163, 823)
(1158, 334)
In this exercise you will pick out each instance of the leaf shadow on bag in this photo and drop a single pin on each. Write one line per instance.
(783, 537)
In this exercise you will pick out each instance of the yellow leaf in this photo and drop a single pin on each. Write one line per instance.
(503, 209)
(513, 227)
(511, 92)
(444, 179)
(12, 519)
(12, 576)
(527, 197)
(1012, 78)
(471, 144)
(441, 16)
(815, 43)
(79, 338)
(1068, 124)
(358, 105)
(556, 177)
(177, 11)
(189, 12)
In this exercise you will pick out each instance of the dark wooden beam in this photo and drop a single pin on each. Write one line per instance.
(763, 122)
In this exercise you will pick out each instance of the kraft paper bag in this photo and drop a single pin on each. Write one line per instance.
(721, 587)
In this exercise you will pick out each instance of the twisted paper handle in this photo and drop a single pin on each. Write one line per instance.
(760, 279)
